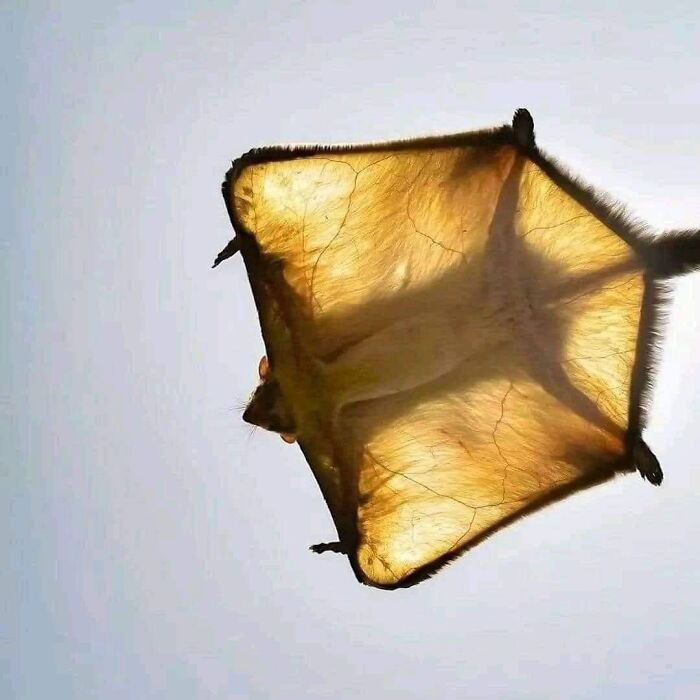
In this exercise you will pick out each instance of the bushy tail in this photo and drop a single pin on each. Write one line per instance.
(674, 253)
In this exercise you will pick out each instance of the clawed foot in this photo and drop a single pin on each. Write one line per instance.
(646, 463)
(524, 128)
(336, 547)
(232, 247)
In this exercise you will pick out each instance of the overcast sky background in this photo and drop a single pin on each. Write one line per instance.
(153, 549)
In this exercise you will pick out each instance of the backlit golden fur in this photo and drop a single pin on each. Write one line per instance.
(456, 336)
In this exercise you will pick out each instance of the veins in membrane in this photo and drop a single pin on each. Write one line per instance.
(343, 221)
(409, 216)
(506, 463)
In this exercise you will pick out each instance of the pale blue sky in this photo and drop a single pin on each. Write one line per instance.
(152, 548)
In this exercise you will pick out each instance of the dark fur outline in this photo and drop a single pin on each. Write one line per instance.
(654, 304)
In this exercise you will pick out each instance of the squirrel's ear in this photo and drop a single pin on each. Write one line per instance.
(263, 367)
